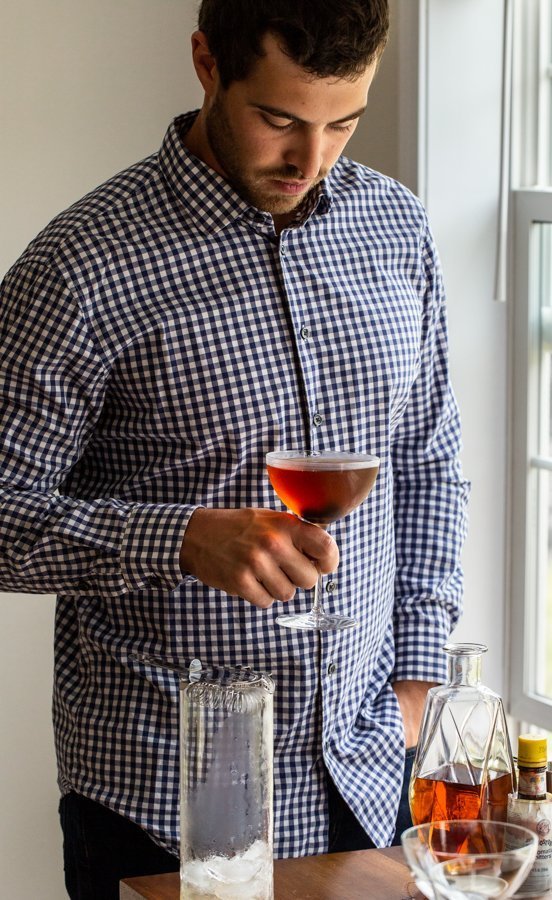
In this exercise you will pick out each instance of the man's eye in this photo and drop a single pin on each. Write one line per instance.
(343, 126)
(278, 124)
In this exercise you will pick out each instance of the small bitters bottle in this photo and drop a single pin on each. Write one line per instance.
(532, 763)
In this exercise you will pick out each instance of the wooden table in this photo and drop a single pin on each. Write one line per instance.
(361, 875)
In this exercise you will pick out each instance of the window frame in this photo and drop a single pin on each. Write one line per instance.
(531, 207)
(532, 91)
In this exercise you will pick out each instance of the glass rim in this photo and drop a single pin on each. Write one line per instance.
(239, 677)
(329, 460)
(462, 648)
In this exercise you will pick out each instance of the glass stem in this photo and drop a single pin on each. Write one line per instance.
(316, 604)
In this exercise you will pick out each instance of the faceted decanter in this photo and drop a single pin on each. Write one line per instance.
(463, 767)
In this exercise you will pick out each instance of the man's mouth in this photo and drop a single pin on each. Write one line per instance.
(291, 187)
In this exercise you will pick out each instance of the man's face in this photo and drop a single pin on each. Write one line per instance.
(278, 132)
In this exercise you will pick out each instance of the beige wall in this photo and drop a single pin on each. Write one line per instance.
(85, 89)
(375, 141)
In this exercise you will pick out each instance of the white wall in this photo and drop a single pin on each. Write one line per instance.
(85, 90)
(434, 123)
(464, 58)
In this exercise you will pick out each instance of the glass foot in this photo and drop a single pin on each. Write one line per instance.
(316, 621)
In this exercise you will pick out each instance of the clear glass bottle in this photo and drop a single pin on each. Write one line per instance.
(226, 776)
(463, 768)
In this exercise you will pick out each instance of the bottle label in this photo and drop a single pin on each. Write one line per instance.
(531, 782)
(537, 816)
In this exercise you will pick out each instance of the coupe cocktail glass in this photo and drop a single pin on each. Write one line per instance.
(320, 487)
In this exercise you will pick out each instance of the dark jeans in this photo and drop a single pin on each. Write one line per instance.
(100, 847)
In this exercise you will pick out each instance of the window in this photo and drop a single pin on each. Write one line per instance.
(531, 378)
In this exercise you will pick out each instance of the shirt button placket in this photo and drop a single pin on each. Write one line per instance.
(305, 334)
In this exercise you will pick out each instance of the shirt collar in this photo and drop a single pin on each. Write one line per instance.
(207, 198)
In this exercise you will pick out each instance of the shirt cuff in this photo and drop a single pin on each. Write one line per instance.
(151, 544)
(420, 635)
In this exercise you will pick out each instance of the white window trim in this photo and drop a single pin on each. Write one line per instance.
(532, 90)
(530, 206)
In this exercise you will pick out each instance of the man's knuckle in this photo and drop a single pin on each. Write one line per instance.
(270, 542)
(241, 578)
(255, 559)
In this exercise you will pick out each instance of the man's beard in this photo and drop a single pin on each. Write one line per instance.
(251, 188)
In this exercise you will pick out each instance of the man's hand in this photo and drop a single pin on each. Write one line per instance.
(258, 554)
(411, 696)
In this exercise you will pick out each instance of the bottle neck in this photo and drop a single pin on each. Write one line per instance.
(464, 670)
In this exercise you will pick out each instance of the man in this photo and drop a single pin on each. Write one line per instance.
(247, 288)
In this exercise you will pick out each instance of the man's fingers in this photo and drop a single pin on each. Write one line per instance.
(319, 546)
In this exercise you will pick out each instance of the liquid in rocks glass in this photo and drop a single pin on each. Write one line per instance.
(321, 487)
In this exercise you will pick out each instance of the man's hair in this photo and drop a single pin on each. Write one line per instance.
(327, 38)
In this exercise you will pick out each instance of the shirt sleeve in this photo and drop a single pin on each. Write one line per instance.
(52, 386)
(430, 498)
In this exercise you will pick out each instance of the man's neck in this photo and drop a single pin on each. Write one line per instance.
(195, 141)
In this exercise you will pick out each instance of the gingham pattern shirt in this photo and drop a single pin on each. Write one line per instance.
(158, 338)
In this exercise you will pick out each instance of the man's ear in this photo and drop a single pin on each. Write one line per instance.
(204, 63)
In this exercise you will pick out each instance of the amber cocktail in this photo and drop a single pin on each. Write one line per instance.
(320, 487)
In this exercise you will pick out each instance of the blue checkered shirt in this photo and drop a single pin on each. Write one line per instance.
(158, 338)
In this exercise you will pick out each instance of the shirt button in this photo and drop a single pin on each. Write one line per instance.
(317, 419)
(331, 587)
(332, 668)
(305, 332)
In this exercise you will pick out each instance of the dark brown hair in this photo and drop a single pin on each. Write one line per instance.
(327, 38)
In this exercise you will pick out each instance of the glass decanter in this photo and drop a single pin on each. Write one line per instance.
(463, 767)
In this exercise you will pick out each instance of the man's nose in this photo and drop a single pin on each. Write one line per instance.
(305, 154)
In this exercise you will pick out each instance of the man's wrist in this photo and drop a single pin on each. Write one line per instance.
(411, 696)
